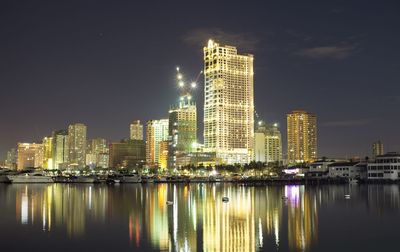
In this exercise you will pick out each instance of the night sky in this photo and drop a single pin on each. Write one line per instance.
(106, 63)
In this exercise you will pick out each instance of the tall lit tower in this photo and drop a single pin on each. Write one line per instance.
(77, 145)
(60, 149)
(301, 136)
(228, 103)
(156, 132)
(136, 130)
(182, 122)
(377, 149)
(48, 153)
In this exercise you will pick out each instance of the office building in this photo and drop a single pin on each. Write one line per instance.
(60, 149)
(48, 153)
(156, 131)
(30, 155)
(136, 130)
(97, 153)
(127, 154)
(11, 159)
(182, 129)
(301, 137)
(377, 149)
(77, 145)
(267, 143)
(228, 104)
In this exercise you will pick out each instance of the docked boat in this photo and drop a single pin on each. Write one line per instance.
(83, 179)
(34, 177)
(131, 178)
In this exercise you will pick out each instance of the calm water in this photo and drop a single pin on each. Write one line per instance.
(62, 217)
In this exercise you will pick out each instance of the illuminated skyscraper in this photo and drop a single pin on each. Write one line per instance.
(301, 136)
(163, 155)
(182, 129)
(377, 149)
(136, 130)
(60, 149)
(156, 131)
(11, 159)
(77, 145)
(48, 153)
(97, 154)
(268, 143)
(30, 155)
(228, 103)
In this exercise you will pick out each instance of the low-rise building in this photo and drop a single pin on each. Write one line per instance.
(385, 167)
(352, 170)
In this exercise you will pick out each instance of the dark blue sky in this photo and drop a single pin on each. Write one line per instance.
(106, 63)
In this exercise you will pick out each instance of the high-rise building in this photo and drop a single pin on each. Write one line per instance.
(77, 145)
(97, 153)
(268, 143)
(377, 149)
(156, 131)
(182, 129)
(301, 136)
(228, 104)
(136, 130)
(127, 154)
(47, 153)
(11, 159)
(60, 149)
(30, 155)
(163, 155)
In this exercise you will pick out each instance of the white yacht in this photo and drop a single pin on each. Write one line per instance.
(34, 177)
(131, 178)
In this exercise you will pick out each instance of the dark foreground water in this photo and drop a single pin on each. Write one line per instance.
(65, 217)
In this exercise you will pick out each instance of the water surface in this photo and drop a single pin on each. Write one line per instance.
(135, 217)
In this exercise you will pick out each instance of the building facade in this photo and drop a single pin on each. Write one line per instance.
(30, 155)
(11, 159)
(182, 129)
(352, 170)
(48, 153)
(267, 143)
(377, 149)
(156, 131)
(60, 149)
(77, 145)
(385, 167)
(97, 153)
(127, 154)
(301, 137)
(136, 130)
(228, 104)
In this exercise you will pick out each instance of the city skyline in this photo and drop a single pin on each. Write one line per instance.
(326, 74)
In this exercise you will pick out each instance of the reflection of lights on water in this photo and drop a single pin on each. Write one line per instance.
(175, 217)
(24, 208)
(260, 233)
(292, 192)
(90, 198)
(276, 227)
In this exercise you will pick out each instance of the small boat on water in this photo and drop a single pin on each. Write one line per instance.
(169, 203)
(131, 178)
(347, 196)
(33, 177)
(225, 199)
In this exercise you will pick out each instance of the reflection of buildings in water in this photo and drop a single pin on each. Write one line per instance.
(383, 198)
(268, 213)
(63, 205)
(302, 218)
(231, 226)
